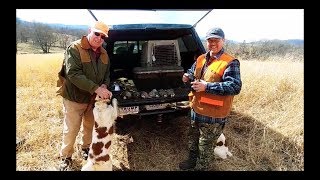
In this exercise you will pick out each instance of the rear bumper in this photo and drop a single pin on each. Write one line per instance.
(142, 110)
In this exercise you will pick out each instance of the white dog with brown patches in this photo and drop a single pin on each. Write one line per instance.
(99, 158)
(221, 150)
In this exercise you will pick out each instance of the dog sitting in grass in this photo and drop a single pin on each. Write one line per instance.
(221, 150)
(99, 158)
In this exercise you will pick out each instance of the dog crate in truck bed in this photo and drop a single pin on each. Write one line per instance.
(158, 53)
(165, 77)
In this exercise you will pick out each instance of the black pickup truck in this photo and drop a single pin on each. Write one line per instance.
(147, 64)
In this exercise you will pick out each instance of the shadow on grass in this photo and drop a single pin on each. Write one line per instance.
(144, 144)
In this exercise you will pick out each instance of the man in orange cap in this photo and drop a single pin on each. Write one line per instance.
(84, 75)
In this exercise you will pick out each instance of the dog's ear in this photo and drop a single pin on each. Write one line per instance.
(222, 138)
(115, 107)
(97, 98)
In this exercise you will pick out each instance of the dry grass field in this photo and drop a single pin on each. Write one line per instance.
(265, 129)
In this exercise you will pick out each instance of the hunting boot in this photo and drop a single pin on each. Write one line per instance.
(191, 162)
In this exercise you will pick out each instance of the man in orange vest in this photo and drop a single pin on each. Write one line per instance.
(215, 79)
(84, 75)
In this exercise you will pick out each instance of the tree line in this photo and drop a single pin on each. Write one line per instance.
(265, 48)
(46, 36)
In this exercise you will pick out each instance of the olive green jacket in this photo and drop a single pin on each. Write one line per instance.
(83, 75)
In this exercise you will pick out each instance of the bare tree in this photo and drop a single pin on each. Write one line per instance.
(23, 31)
(17, 33)
(44, 36)
(65, 40)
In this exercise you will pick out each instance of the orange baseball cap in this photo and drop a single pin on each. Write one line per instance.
(100, 27)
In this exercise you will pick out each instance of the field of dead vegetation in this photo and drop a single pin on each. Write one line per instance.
(265, 130)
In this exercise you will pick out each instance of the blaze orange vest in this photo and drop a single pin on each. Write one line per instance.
(206, 104)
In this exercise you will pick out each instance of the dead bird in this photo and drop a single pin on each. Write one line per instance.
(170, 92)
(163, 93)
(135, 94)
(154, 93)
(144, 94)
(126, 95)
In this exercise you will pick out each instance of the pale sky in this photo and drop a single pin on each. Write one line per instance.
(238, 24)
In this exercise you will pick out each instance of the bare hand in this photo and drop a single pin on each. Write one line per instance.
(185, 77)
(199, 86)
(103, 93)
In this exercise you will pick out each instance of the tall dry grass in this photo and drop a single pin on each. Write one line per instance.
(265, 129)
